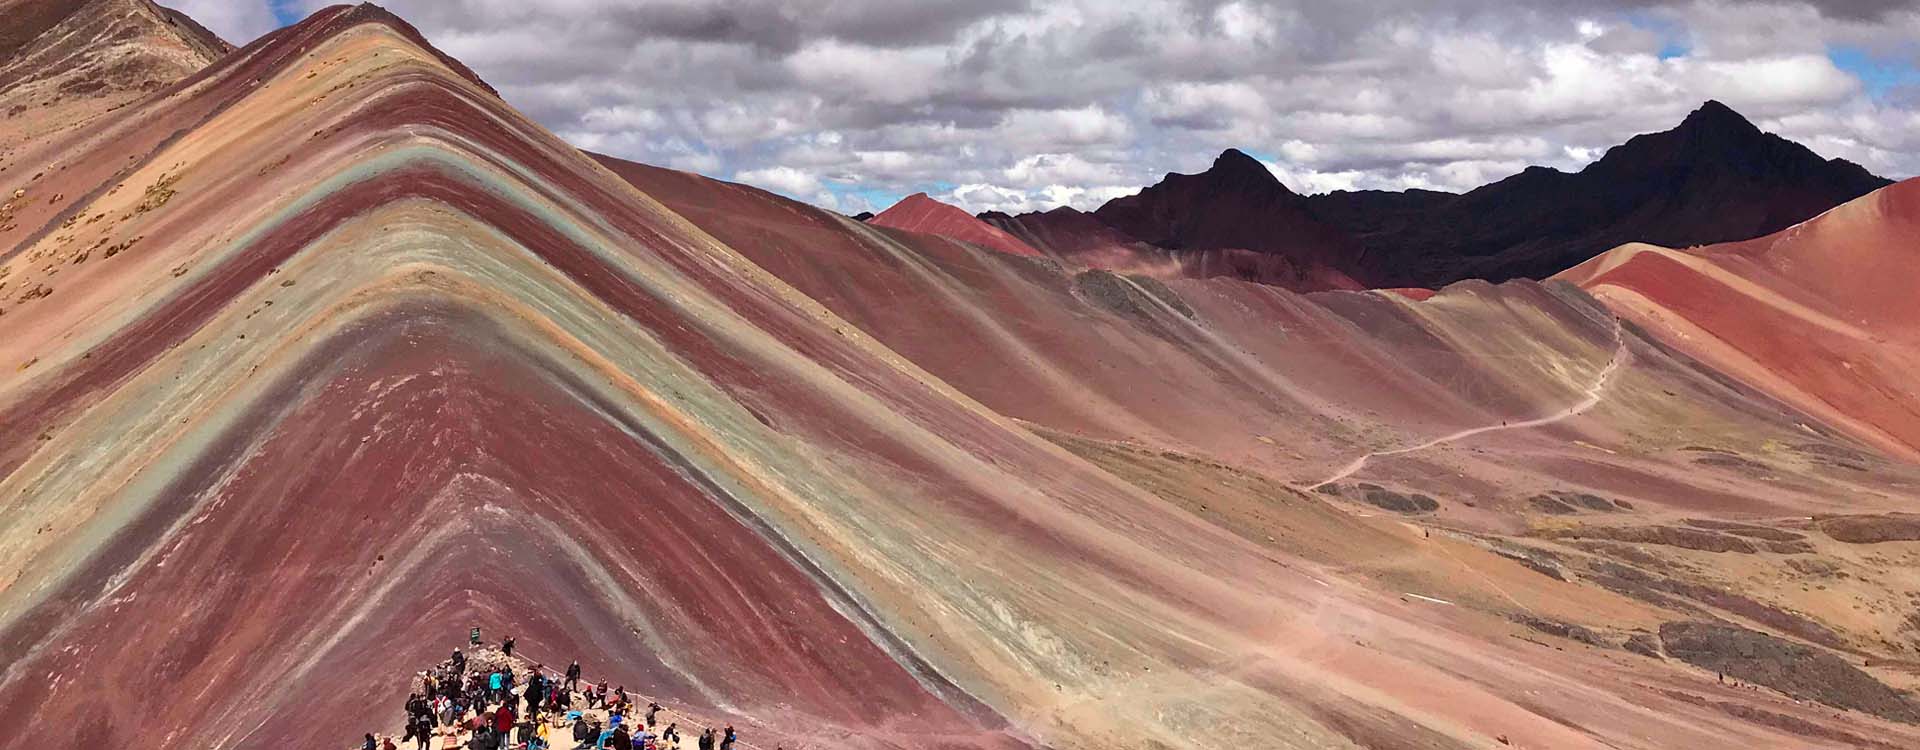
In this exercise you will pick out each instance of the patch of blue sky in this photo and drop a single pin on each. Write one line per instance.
(1674, 40)
(1879, 73)
(287, 12)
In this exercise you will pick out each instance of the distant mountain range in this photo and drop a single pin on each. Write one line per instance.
(1715, 178)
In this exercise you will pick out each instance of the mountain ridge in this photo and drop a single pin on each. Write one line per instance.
(1714, 177)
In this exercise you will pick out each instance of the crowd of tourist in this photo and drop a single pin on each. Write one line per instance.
(492, 708)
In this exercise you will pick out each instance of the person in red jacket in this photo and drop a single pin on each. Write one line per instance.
(503, 718)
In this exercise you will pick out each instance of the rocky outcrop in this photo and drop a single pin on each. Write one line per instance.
(1800, 671)
(1872, 529)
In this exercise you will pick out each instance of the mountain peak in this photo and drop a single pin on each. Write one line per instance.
(1234, 162)
(924, 213)
(1716, 117)
(1715, 177)
(65, 62)
(1237, 204)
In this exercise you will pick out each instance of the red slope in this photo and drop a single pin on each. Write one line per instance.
(921, 213)
(474, 507)
(1309, 377)
(1079, 239)
(1474, 394)
(1823, 314)
(404, 474)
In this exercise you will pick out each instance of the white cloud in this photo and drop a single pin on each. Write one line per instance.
(237, 21)
(782, 180)
(979, 197)
(790, 182)
(1773, 81)
(1080, 126)
(884, 76)
(1054, 169)
(1031, 105)
(1081, 197)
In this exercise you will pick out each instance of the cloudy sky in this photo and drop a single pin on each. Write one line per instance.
(1028, 104)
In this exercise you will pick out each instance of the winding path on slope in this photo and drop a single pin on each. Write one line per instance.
(1594, 393)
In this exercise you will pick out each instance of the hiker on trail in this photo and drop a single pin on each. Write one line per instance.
(558, 698)
(706, 739)
(370, 744)
(597, 697)
(620, 739)
(494, 684)
(506, 647)
(573, 675)
(620, 697)
(503, 718)
(459, 661)
(535, 691)
(671, 733)
(416, 708)
(726, 743)
(422, 731)
(653, 709)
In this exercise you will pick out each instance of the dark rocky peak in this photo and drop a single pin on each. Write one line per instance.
(1714, 117)
(1235, 165)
